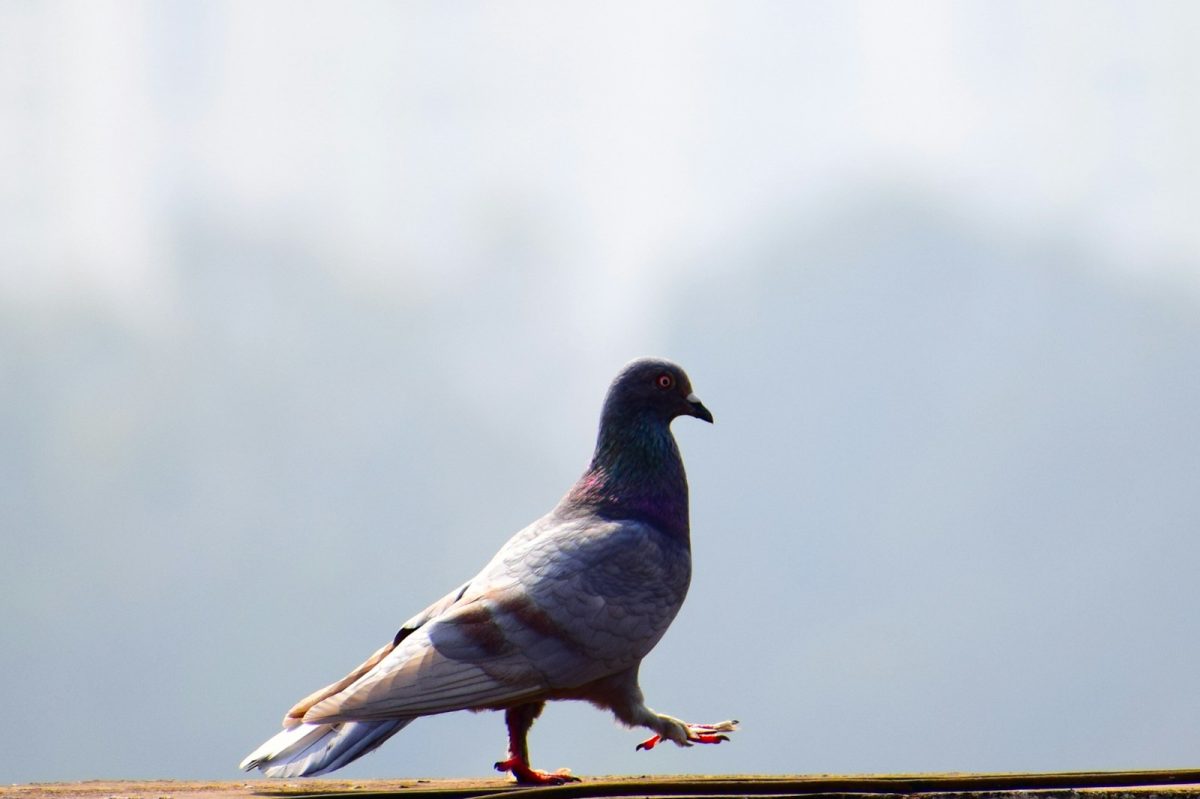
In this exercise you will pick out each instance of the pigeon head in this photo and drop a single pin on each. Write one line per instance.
(652, 388)
(636, 471)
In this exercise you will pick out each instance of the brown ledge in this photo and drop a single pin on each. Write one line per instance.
(1178, 784)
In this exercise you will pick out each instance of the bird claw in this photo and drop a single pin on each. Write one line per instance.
(531, 776)
(696, 734)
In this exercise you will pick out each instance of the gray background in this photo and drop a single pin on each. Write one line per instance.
(305, 308)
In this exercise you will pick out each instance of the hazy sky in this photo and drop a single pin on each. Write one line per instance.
(305, 309)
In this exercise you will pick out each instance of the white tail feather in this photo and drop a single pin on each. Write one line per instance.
(308, 750)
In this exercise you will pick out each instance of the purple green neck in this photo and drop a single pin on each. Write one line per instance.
(635, 473)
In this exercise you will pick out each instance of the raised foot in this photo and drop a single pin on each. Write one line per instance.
(531, 776)
(696, 734)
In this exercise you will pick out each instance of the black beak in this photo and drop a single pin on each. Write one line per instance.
(698, 410)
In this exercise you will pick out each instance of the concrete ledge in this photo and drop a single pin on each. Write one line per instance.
(1178, 784)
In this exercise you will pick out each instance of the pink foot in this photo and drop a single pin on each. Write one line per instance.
(531, 776)
(697, 734)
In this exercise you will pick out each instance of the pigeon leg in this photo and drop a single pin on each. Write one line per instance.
(620, 694)
(519, 719)
(696, 734)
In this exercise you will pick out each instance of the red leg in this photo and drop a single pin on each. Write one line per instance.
(697, 734)
(531, 776)
(519, 719)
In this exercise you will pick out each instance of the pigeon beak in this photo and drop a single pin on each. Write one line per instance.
(697, 409)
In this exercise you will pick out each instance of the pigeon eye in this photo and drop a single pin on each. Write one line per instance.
(665, 381)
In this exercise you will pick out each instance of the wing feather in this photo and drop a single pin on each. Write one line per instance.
(557, 608)
(398, 693)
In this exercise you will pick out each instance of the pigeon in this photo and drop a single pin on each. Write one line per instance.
(566, 610)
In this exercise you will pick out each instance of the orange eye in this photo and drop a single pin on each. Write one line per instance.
(664, 381)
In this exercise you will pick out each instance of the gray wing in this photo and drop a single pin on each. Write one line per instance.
(562, 604)
(298, 711)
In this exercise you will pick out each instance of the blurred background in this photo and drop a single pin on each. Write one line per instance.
(305, 308)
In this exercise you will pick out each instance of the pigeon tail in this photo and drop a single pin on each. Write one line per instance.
(308, 750)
